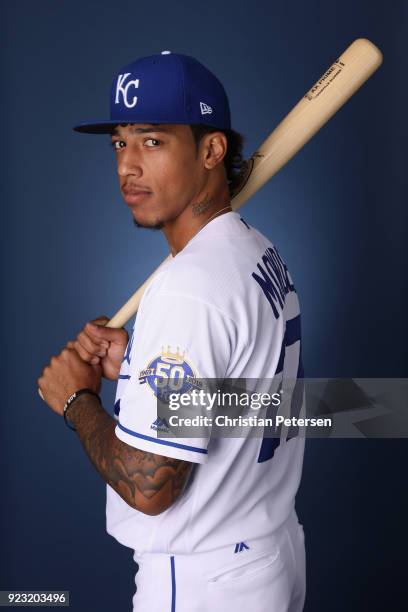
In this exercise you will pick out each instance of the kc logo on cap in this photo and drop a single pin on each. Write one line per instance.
(123, 89)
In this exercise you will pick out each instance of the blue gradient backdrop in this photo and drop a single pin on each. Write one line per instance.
(337, 212)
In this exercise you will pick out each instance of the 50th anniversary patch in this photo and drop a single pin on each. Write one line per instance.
(169, 372)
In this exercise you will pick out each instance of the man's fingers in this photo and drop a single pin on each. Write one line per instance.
(96, 346)
(86, 355)
(83, 353)
(102, 320)
(109, 334)
(94, 340)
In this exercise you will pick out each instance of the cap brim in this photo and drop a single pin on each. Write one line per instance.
(106, 127)
(96, 127)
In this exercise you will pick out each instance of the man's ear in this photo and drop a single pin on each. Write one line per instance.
(214, 147)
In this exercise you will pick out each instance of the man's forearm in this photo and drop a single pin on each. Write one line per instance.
(147, 482)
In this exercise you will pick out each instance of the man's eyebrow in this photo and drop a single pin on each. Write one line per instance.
(153, 128)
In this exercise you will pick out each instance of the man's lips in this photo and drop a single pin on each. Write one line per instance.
(134, 195)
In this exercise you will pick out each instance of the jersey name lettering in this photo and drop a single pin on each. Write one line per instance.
(275, 281)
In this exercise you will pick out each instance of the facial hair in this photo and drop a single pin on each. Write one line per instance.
(154, 226)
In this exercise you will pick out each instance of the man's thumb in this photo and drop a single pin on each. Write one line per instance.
(107, 333)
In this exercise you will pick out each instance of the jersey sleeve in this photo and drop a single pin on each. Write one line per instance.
(174, 336)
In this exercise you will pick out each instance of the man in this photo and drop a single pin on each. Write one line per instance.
(211, 519)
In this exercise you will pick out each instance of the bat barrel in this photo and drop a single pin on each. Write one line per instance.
(340, 81)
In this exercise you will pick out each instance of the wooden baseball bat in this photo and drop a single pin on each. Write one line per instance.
(316, 107)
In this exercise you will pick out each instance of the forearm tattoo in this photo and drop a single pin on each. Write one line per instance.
(146, 481)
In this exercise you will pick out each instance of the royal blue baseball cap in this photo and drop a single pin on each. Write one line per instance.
(164, 88)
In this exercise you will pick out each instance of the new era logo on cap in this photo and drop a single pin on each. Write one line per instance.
(205, 109)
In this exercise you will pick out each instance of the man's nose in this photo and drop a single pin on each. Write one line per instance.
(129, 163)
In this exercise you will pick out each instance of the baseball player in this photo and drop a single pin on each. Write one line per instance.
(211, 519)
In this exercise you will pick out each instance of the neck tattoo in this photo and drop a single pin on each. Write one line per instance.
(200, 207)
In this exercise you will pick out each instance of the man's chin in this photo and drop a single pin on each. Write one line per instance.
(154, 225)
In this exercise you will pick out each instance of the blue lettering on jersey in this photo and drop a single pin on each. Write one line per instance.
(269, 444)
(275, 281)
(276, 284)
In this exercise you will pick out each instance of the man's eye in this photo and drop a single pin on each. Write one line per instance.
(153, 142)
(118, 144)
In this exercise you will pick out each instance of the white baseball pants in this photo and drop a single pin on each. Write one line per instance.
(265, 575)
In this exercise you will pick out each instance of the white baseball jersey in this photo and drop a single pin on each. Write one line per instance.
(224, 307)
